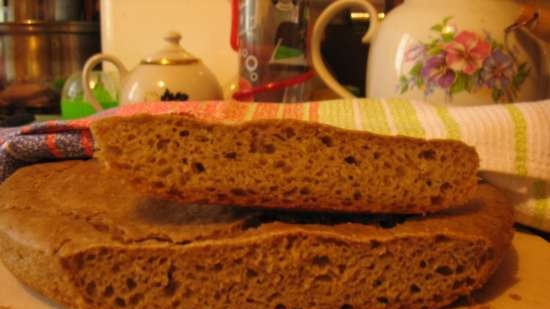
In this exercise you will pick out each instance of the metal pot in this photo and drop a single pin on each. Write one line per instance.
(44, 10)
(43, 53)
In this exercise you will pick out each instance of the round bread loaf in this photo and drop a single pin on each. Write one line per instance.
(86, 240)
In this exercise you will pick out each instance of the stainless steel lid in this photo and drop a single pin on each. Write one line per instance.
(48, 27)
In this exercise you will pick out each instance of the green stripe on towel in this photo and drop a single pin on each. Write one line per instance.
(405, 119)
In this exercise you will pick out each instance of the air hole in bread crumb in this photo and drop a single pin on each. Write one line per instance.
(346, 306)
(351, 160)
(238, 191)
(184, 133)
(230, 155)
(323, 278)
(423, 264)
(267, 148)
(444, 187)
(382, 299)
(202, 138)
(438, 298)
(321, 261)
(444, 270)
(289, 132)
(251, 273)
(326, 140)
(120, 302)
(157, 184)
(167, 171)
(437, 200)
(377, 282)
(109, 291)
(290, 192)
(357, 196)
(376, 155)
(305, 191)
(217, 267)
(470, 281)
(253, 147)
(441, 238)
(161, 144)
(414, 288)
(427, 154)
(91, 288)
(459, 269)
(131, 137)
(176, 304)
(130, 284)
(280, 306)
(198, 167)
(457, 284)
(136, 298)
(341, 268)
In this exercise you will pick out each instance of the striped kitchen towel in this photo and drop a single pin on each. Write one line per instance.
(513, 140)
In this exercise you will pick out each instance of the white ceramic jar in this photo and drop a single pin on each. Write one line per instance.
(464, 52)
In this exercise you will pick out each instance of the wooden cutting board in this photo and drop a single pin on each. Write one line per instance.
(523, 281)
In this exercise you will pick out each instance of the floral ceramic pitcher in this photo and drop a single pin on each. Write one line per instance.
(464, 52)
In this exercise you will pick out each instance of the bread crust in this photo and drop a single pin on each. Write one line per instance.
(98, 244)
(291, 164)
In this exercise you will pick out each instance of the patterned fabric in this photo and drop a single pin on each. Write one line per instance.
(513, 140)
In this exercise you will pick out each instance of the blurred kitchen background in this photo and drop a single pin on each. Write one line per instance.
(45, 43)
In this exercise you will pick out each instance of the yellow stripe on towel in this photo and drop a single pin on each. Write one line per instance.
(405, 118)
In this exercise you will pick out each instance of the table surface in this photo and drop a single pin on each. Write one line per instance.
(523, 281)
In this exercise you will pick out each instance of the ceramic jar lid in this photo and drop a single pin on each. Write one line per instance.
(171, 54)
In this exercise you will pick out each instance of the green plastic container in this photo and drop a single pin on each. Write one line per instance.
(73, 104)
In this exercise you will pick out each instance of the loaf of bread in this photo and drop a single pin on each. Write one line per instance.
(286, 164)
(83, 238)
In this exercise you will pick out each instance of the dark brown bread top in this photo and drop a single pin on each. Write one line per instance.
(85, 239)
(286, 164)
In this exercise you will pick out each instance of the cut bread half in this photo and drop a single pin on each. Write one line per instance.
(288, 164)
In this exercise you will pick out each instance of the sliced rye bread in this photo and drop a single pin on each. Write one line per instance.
(286, 164)
(83, 238)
